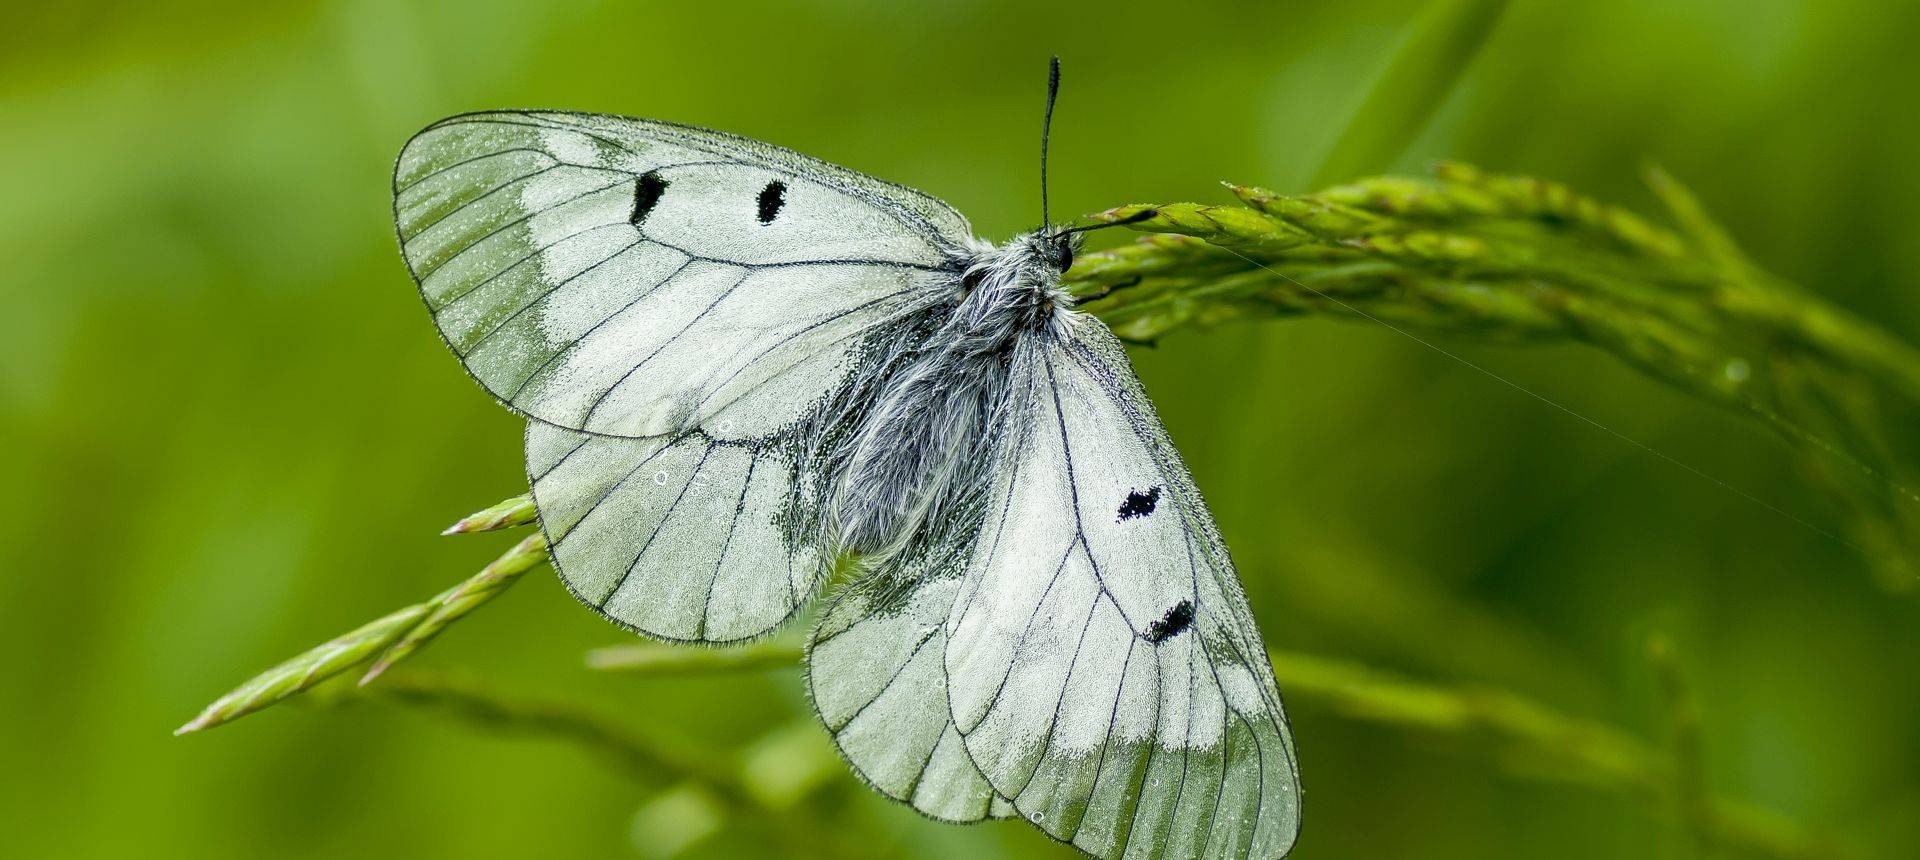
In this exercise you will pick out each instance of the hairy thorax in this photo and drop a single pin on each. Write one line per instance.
(928, 435)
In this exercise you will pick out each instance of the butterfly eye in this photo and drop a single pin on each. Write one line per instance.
(1063, 254)
(772, 198)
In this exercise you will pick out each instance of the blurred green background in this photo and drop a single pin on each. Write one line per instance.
(232, 432)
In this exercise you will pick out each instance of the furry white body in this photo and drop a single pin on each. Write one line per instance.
(928, 434)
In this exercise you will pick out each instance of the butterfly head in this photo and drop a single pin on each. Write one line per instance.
(1012, 288)
(1059, 246)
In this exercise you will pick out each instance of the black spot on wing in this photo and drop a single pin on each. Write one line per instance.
(646, 195)
(1179, 618)
(772, 198)
(1139, 504)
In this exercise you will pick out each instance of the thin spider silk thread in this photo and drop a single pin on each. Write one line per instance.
(1576, 413)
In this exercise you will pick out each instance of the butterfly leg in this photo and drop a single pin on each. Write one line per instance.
(1108, 290)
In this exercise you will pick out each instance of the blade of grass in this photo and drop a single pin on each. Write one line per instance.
(390, 639)
(744, 794)
(1692, 801)
(602, 734)
(651, 660)
(1439, 46)
(1552, 745)
(1518, 259)
(517, 511)
(302, 672)
(462, 599)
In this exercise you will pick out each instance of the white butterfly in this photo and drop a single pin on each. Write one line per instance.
(741, 363)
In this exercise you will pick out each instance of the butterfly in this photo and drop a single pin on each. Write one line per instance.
(741, 364)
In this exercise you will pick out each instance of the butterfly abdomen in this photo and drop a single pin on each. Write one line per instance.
(921, 440)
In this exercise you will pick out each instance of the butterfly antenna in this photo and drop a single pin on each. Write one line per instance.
(1135, 218)
(1046, 130)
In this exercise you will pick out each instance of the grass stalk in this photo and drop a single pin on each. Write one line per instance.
(1426, 66)
(1516, 259)
(1535, 741)
(509, 513)
(1692, 800)
(382, 642)
(735, 788)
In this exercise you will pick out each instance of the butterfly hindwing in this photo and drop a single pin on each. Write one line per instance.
(680, 538)
(633, 278)
(875, 675)
(1102, 665)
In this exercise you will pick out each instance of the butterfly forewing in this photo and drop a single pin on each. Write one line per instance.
(670, 305)
(630, 278)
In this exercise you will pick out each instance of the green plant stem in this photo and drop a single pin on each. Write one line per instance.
(308, 669)
(1437, 49)
(1521, 260)
(645, 759)
(517, 511)
(1542, 743)
(1536, 740)
(483, 705)
(384, 641)
(666, 660)
(455, 603)
(1692, 800)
